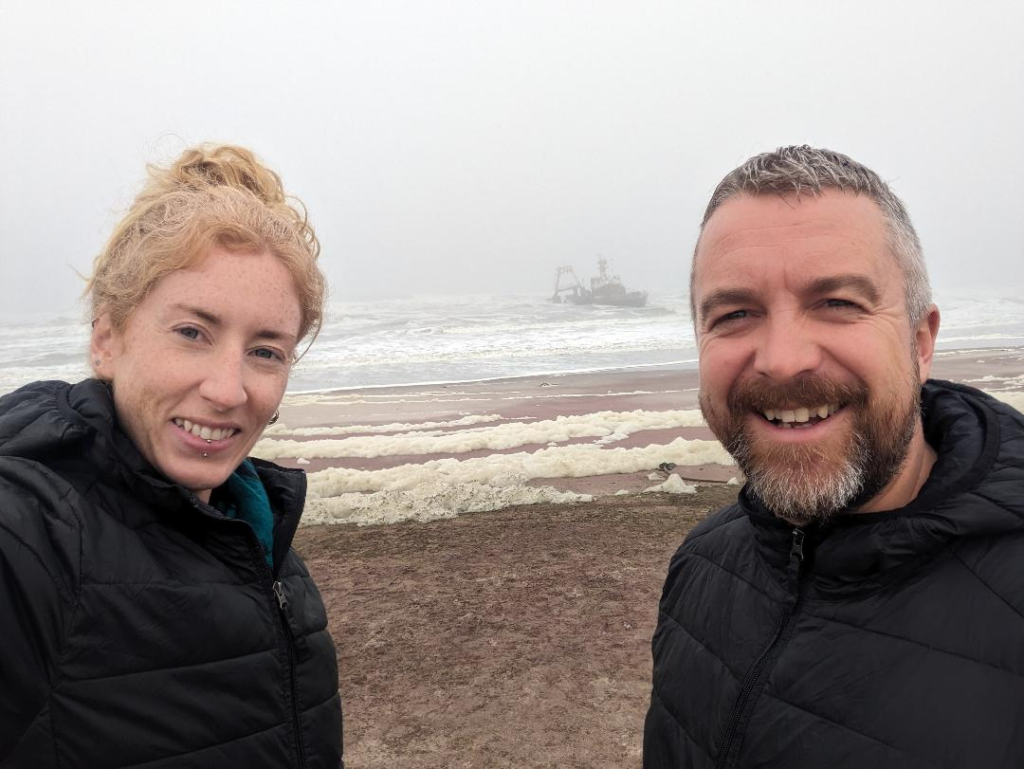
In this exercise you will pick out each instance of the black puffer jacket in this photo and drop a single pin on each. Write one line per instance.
(137, 626)
(887, 640)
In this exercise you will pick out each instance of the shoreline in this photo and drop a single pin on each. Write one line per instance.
(675, 364)
(420, 452)
(941, 360)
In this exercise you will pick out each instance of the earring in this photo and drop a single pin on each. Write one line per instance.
(97, 362)
(273, 419)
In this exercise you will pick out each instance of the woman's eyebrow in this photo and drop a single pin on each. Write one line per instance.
(276, 336)
(203, 315)
(215, 321)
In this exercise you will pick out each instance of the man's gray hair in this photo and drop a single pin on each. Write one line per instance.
(801, 169)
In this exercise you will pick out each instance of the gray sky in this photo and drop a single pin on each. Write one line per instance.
(449, 147)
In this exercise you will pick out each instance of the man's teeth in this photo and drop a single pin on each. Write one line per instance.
(801, 414)
(205, 433)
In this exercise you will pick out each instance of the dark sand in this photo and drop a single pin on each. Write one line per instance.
(518, 638)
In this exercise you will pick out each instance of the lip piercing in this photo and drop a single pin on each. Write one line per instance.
(205, 455)
(209, 441)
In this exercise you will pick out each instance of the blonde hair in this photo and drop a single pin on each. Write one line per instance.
(212, 195)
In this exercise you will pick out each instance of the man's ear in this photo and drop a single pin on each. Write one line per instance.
(104, 347)
(924, 337)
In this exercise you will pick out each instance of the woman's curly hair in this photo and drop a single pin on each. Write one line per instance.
(212, 195)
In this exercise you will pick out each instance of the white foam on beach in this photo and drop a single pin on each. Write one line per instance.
(608, 426)
(575, 461)
(428, 501)
(1012, 398)
(672, 485)
(393, 427)
(441, 488)
(609, 394)
(1003, 382)
(336, 397)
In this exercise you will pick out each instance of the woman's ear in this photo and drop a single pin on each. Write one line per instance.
(104, 346)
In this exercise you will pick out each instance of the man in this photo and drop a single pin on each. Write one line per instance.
(862, 603)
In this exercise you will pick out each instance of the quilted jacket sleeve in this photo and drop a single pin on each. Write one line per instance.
(38, 586)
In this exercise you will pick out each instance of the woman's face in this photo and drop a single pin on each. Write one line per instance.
(202, 364)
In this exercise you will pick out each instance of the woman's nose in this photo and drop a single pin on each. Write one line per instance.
(223, 384)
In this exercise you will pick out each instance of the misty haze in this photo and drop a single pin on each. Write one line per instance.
(496, 480)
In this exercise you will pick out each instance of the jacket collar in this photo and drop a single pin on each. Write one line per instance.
(976, 439)
(286, 489)
(89, 405)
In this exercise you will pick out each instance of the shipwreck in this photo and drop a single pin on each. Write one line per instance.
(604, 288)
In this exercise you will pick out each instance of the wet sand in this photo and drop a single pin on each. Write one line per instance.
(516, 638)
(519, 637)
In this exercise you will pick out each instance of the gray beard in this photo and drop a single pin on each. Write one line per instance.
(802, 484)
(794, 489)
(798, 484)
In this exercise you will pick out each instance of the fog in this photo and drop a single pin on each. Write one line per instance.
(451, 147)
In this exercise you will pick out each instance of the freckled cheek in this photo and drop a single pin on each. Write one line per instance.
(267, 392)
(138, 418)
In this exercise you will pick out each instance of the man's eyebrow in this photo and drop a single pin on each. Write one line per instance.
(856, 283)
(213, 320)
(725, 296)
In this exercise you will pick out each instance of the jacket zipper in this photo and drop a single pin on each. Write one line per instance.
(796, 557)
(282, 604)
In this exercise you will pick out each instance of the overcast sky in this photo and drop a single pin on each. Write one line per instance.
(449, 147)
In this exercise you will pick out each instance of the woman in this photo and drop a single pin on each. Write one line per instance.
(153, 611)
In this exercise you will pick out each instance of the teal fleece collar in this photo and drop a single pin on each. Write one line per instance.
(242, 496)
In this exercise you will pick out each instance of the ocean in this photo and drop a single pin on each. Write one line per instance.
(435, 339)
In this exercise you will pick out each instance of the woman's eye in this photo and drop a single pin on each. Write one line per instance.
(189, 332)
(263, 352)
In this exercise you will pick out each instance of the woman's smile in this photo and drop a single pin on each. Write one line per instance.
(202, 364)
(205, 440)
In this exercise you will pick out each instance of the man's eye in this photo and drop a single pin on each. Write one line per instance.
(189, 332)
(729, 316)
(839, 303)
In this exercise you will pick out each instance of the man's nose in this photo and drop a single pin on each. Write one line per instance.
(224, 383)
(787, 348)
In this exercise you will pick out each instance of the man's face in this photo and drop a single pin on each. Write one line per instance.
(810, 372)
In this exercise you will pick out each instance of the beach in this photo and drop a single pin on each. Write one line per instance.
(516, 638)
(504, 616)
